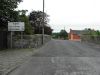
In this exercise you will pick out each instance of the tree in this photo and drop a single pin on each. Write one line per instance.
(63, 34)
(36, 19)
(55, 35)
(90, 35)
(7, 12)
(48, 30)
(98, 32)
(25, 19)
(91, 32)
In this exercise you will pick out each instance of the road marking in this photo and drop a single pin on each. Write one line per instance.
(52, 60)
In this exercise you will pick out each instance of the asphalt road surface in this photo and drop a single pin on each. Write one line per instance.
(62, 57)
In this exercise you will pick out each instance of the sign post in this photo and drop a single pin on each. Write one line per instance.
(11, 40)
(16, 26)
(21, 38)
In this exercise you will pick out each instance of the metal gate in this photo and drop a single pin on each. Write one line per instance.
(3, 39)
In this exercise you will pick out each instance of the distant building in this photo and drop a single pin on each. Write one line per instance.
(75, 35)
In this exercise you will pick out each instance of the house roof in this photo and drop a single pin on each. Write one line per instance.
(78, 32)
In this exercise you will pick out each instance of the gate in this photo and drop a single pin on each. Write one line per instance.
(3, 39)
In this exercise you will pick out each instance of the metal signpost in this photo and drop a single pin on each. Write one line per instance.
(16, 26)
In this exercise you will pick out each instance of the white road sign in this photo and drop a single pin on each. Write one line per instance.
(16, 26)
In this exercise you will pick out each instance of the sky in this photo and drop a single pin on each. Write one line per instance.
(68, 14)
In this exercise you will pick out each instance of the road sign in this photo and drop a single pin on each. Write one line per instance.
(16, 26)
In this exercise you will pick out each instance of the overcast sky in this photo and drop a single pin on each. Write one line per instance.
(74, 14)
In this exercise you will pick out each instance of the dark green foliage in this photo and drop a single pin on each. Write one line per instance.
(55, 35)
(98, 32)
(92, 32)
(91, 35)
(7, 12)
(36, 20)
(63, 34)
(48, 30)
(25, 19)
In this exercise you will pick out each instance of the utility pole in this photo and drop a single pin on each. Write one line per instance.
(64, 27)
(43, 24)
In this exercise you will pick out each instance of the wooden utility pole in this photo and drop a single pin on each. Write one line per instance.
(43, 24)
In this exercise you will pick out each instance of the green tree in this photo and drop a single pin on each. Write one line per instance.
(48, 30)
(25, 19)
(98, 32)
(92, 32)
(63, 34)
(55, 35)
(36, 19)
(7, 12)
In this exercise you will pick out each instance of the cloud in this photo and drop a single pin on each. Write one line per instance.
(68, 12)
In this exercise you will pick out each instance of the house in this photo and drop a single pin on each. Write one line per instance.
(75, 35)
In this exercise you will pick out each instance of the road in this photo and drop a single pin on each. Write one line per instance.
(62, 57)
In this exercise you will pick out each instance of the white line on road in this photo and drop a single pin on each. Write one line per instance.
(52, 60)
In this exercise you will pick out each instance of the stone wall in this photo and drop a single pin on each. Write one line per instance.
(93, 39)
(28, 41)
